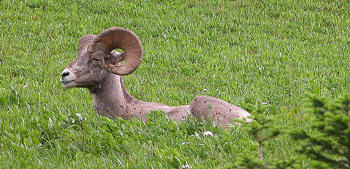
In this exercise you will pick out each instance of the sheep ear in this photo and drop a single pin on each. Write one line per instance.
(84, 42)
(120, 38)
(115, 57)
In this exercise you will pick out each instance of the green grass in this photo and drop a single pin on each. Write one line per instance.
(240, 51)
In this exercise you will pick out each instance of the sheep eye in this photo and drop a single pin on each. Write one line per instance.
(95, 59)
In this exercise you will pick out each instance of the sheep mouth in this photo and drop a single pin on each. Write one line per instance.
(67, 83)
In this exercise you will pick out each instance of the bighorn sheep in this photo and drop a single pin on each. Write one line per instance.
(99, 69)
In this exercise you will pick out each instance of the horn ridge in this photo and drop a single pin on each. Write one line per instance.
(124, 39)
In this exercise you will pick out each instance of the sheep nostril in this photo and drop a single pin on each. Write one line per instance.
(64, 74)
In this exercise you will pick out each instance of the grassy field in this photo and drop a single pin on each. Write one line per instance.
(240, 51)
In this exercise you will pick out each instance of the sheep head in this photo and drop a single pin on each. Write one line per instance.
(96, 58)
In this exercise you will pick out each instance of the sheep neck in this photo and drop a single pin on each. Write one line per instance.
(111, 98)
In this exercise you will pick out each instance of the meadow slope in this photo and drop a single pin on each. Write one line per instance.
(240, 51)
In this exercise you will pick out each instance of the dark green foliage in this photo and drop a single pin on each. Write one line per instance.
(263, 128)
(260, 123)
(327, 137)
(325, 141)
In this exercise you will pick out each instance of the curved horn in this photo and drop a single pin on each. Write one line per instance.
(124, 39)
